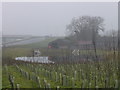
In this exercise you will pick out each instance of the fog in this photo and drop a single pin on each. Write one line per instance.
(50, 18)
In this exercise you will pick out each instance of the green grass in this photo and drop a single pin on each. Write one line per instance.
(42, 77)
(0, 76)
(5, 81)
(107, 70)
(106, 67)
(0, 68)
(24, 50)
(24, 83)
(14, 52)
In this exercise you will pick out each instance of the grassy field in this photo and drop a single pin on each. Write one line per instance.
(90, 75)
(0, 68)
(102, 74)
(59, 75)
(14, 52)
(24, 83)
(0, 76)
(24, 50)
(19, 50)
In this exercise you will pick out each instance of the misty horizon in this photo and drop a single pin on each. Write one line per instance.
(51, 18)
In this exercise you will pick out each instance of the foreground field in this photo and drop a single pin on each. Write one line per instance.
(84, 75)
(90, 74)
(0, 76)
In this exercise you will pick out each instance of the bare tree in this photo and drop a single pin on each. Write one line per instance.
(86, 28)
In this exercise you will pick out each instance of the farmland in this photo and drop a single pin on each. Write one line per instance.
(84, 75)
(0, 76)
(60, 45)
(90, 74)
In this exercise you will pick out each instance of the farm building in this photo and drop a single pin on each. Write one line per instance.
(64, 43)
(101, 43)
(59, 43)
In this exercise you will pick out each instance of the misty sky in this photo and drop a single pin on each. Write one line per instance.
(49, 18)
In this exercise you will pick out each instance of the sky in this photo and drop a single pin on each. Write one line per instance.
(51, 18)
(0, 25)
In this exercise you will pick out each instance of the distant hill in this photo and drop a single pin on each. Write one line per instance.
(38, 44)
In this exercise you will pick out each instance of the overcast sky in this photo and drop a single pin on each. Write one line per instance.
(49, 18)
